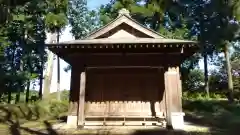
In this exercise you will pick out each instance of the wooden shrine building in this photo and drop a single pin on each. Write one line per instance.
(125, 73)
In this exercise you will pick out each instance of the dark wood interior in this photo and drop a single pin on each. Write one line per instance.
(124, 84)
(142, 88)
(127, 28)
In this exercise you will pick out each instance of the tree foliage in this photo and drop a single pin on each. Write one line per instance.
(82, 20)
(163, 16)
(194, 80)
(56, 17)
(22, 41)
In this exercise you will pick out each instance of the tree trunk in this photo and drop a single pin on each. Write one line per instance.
(206, 81)
(41, 74)
(40, 82)
(205, 55)
(19, 87)
(9, 96)
(49, 70)
(29, 77)
(1, 98)
(18, 96)
(229, 72)
(28, 91)
(58, 71)
(12, 73)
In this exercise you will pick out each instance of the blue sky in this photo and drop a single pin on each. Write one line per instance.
(94, 4)
(67, 36)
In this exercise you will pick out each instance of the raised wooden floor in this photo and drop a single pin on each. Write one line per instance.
(125, 123)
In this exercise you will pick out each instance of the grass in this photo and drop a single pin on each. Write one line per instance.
(221, 117)
(30, 127)
(30, 118)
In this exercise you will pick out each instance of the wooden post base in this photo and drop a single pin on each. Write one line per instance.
(72, 121)
(177, 120)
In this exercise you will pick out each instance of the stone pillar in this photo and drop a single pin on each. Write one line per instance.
(73, 98)
(81, 115)
(173, 89)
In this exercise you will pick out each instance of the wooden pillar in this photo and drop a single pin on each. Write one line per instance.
(73, 98)
(179, 90)
(81, 116)
(173, 95)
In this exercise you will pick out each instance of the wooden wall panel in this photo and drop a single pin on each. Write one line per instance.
(124, 92)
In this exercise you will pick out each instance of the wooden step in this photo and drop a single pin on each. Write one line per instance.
(122, 123)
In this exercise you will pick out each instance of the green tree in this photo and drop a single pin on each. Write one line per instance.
(235, 62)
(56, 19)
(22, 42)
(82, 20)
(229, 12)
(31, 38)
(162, 16)
(219, 77)
(6, 6)
(208, 23)
(194, 81)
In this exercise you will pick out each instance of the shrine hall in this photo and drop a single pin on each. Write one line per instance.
(125, 74)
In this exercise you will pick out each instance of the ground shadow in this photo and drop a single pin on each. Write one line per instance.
(10, 118)
(63, 119)
(14, 129)
(50, 129)
(222, 117)
(160, 132)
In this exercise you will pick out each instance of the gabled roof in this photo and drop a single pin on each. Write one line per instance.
(124, 19)
(128, 41)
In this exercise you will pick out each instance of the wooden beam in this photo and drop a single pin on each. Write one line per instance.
(179, 89)
(153, 60)
(173, 93)
(81, 115)
(125, 67)
(168, 91)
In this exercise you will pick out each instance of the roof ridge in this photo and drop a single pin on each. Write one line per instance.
(131, 19)
(146, 27)
(102, 27)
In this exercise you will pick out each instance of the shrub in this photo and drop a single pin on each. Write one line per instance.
(194, 96)
(64, 95)
(198, 105)
(202, 95)
(58, 109)
(211, 106)
(34, 111)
